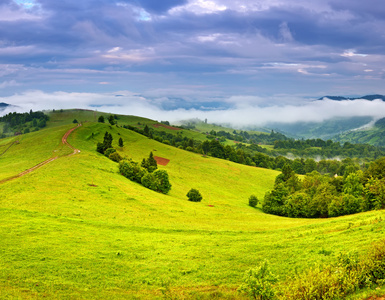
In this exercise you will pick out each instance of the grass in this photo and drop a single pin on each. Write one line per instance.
(77, 229)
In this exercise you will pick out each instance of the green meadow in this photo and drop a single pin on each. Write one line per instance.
(77, 229)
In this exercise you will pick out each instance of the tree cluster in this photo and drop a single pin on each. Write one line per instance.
(146, 174)
(23, 122)
(327, 149)
(107, 149)
(323, 196)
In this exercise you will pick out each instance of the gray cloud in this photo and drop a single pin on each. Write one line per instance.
(224, 48)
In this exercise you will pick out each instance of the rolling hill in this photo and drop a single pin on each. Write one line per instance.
(76, 229)
(373, 135)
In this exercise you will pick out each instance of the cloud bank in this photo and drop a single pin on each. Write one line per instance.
(253, 112)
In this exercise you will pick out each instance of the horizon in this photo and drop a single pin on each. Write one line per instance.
(194, 58)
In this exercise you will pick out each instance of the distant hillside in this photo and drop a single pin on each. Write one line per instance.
(324, 130)
(3, 105)
(373, 135)
(341, 98)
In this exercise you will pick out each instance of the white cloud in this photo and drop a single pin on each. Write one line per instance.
(200, 7)
(5, 84)
(247, 110)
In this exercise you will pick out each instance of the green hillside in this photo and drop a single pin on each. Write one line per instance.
(76, 229)
(373, 135)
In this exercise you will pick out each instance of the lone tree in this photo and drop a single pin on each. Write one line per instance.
(120, 142)
(111, 120)
(150, 163)
(146, 130)
(101, 119)
(107, 143)
(253, 201)
(194, 195)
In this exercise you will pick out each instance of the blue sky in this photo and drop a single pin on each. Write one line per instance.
(192, 57)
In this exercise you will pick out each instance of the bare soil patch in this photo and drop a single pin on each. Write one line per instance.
(161, 161)
(166, 126)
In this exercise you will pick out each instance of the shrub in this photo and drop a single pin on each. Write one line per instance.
(253, 201)
(194, 195)
(339, 280)
(109, 151)
(115, 156)
(157, 181)
(131, 170)
(149, 181)
(164, 185)
(258, 282)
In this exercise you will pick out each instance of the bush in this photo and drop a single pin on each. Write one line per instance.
(163, 183)
(339, 280)
(258, 282)
(115, 156)
(194, 195)
(109, 151)
(253, 201)
(131, 170)
(149, 181)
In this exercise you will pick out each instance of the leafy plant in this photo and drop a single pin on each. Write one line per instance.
(253, 201)
(194, 195)
(258, 282)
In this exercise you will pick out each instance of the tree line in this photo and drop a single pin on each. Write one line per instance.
(322, 196)
(252, 155)
(23, 122)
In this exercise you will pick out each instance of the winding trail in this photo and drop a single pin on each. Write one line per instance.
(64, 141)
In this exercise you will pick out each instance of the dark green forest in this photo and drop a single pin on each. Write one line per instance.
(18, 123)
(322, 196)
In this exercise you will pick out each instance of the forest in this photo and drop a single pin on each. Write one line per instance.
(18, 123)
(322, 196)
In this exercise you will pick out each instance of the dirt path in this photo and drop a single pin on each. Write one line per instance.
(64, 141)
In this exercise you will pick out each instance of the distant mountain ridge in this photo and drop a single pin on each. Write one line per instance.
(367, 97)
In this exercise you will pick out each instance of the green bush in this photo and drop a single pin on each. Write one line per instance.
(163, 183)
(131, 170)
(337, 281)
(115, 156)
(253, 201)
(109, 151)
(258, 282)
(194, 195)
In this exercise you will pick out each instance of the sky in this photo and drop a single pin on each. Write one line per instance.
(244, 61)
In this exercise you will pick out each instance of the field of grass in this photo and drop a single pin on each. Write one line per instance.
(77, 229)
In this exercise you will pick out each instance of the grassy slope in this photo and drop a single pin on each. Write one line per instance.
(63, 238)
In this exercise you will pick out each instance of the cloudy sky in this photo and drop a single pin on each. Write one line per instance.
(192, 58)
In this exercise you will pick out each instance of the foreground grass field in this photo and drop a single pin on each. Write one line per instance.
(76, 229)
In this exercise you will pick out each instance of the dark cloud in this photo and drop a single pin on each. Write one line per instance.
(157, 6)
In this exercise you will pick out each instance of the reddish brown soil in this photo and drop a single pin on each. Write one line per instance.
(166, 126)
(161, 161)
